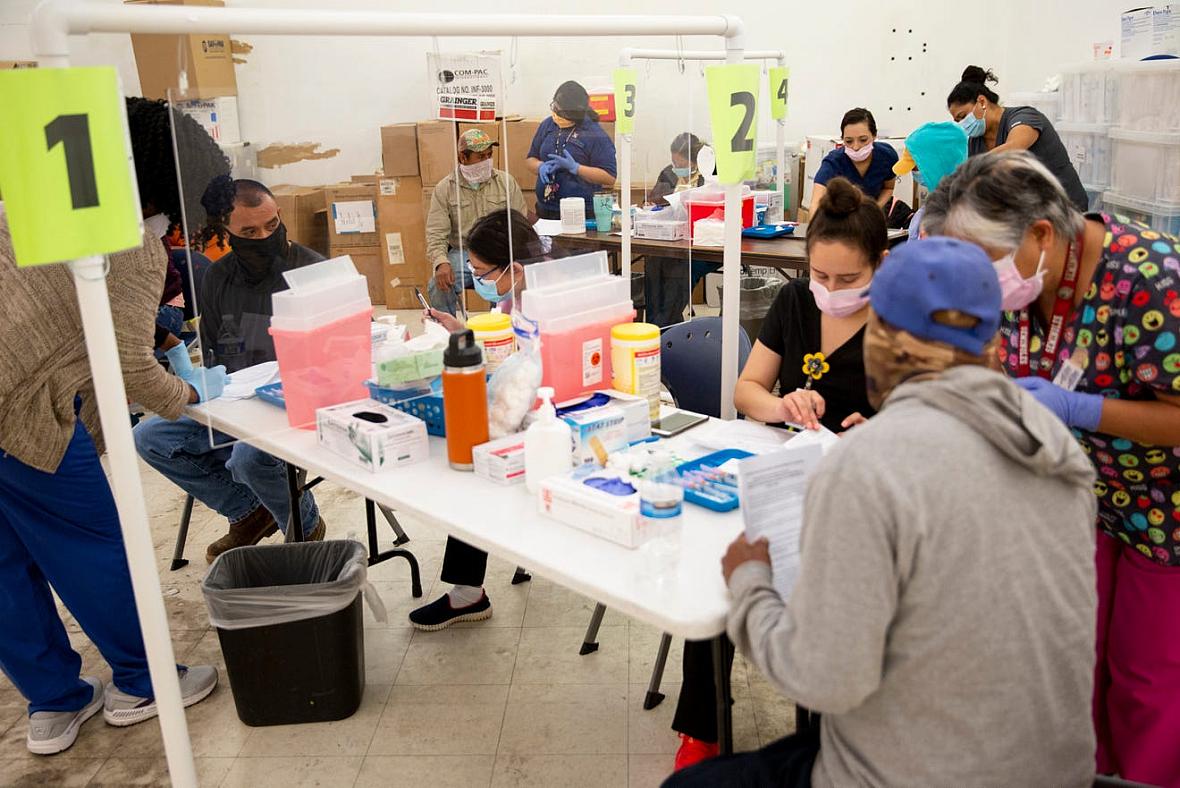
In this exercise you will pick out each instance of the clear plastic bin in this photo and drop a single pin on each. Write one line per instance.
(1162, 217)
(1149, 96)
(1089, 93)
(1048, 103)
(1094, 196)
(304, 302)
(324, 366)
(548, 303)
(565, 271)
(1088, 146)
(1145, 165)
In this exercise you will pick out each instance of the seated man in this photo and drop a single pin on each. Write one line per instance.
(247, 486)
(943, 617)
(455, 206)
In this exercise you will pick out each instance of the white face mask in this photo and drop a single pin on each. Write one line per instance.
(839, 303)
(859, 155)
(1016, 292)
(478, 172)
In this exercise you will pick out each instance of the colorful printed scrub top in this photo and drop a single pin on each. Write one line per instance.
(1129, 324)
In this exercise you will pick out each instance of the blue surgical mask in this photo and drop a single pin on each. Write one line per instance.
(919, 180)
(973, 126)
(682, 172)
(487, 290)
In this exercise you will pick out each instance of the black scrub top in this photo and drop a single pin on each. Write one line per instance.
(792, 329)
(1048, 149)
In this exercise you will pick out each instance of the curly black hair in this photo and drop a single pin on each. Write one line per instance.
(150, 123)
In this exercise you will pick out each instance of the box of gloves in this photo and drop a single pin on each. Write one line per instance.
(372, 435)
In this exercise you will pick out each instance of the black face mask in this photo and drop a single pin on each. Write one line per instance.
(258, 256)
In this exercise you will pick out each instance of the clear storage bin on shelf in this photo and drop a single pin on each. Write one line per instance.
(1048, 103)
(1145, 165)
(1094, 196)
(565, 271)
(1088, 146)
(1089, 93)
(1149, 96)
(1162, 217)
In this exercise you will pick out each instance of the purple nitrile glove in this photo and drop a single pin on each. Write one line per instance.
(1075, 408)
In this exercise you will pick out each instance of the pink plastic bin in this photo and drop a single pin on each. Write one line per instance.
(324, 366)
(576, 361)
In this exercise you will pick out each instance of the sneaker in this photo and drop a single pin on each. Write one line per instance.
(250, 530)
(693, 751)
(439, 614)
(121, 709)
(51, 732)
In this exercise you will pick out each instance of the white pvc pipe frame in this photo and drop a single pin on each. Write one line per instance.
(731, 256)
(53, 21)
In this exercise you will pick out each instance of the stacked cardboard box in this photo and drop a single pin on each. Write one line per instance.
(304, 214)
(402, 232)
(351, 210)
(208, 59)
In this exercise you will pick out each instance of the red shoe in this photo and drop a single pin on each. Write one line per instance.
(693, 751)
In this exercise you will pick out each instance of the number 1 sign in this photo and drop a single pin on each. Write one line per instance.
(733, 112)
(66, 172)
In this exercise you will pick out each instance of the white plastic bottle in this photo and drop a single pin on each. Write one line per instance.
(548, 444)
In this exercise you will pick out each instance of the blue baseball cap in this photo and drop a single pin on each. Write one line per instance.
(921, 278)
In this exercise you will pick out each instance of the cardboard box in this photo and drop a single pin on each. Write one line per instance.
(17, 64)
(436, 150)
(372, 435)
(217, 115)
(493, 131)
(352, 214)
(402, 297)
(608, 423)
(613, 517)
(304, 214)
(399, 149)
(516, 151)
(402, 232)
(208, 58)
(502, 460)
(367, 260)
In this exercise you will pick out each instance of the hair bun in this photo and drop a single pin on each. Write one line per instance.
(979, 76)
(841, 198)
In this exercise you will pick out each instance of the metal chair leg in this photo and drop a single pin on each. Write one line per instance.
(376, 556)
(521, 575)
(654, 696)
(391, 518)
(178, 559)
(590, 642)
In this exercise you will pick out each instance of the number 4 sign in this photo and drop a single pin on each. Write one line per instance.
(780, 89)
(733, 112)
(65, 166)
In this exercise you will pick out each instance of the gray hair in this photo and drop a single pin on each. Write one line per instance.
(993, 199)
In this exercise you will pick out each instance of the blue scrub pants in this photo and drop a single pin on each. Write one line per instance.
(61, 529)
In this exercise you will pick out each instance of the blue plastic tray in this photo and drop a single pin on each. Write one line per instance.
(272, 393)
(712, 460)
(766, 231)
(428, 407)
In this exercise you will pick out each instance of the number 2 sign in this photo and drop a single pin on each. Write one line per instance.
(733, 112)
(65, 166)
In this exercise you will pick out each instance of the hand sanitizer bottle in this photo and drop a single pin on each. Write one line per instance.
(548, 444)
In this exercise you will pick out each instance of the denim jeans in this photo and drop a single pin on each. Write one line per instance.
(449, 301)
(233, 480)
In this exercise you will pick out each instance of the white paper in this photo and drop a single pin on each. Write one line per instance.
(823, 437)
(243, 383)
(548, 227)
(465, 85)
(739, 434)
(354, 216)
(772, 489)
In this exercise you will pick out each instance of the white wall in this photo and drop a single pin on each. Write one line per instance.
(338, 91)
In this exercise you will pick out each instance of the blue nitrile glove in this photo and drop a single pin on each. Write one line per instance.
(1075, 408)
(545, 172)
(179, 361)
(209, 382)
(565, 161)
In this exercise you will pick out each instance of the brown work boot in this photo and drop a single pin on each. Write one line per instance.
(317, 533)
(250, 530)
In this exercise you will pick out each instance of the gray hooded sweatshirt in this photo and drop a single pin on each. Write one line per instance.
(943, 619)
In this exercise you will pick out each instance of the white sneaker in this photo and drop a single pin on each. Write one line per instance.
(51, 732)
(121, 709)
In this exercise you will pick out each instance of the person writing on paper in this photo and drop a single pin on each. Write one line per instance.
(571, 154)
(246, 486)
(932, 152)
(993, 128)
(456, 204)
(925, 609)
(59, 527)
(1111, 372)
(863, 161)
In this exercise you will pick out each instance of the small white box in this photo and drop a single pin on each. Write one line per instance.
(372, 435)
(606, 422)
(501, 460)
(661, 229)
(615, 518)
(218, 116)
(636, 414)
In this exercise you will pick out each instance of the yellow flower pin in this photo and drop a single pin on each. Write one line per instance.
(815, 365)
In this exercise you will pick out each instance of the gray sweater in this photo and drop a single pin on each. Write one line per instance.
(943, 619)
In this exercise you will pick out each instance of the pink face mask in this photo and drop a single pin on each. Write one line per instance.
(1016, 292)
(859, 155)
(839, 303)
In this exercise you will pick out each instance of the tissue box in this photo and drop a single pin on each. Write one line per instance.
(607, 423)
(372, 435)
(613, 517)
(501, 460)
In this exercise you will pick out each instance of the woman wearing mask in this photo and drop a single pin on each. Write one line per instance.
(863, 161)
(812, 345)
(571, 154)
(1091, 329)
(992, 128)
(666, 280)
(498, 247)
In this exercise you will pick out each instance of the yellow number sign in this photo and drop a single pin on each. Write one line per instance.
(625, 79)
(65, 165)
(733, 112)
(780, 89)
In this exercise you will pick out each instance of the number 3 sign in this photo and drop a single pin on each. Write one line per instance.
(65, 166)
(733, 111)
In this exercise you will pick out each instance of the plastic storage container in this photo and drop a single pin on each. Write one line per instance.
(1088, 146)
(493, 332)
(635, 362)
(1162, 217)
(575, 350)
(289, 621)
(551, 303)
(323, 366)
(1089, 93)
(565, 271)
(1145, 165)
(1048, 103)
(1149, 96)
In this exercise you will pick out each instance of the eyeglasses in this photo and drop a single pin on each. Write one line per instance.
(484, 277)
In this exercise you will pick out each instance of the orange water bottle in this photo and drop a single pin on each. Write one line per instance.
(465, 398)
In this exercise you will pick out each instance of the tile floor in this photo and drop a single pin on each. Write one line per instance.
(505, 702)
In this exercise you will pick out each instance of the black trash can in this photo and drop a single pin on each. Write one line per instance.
(289, 620)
